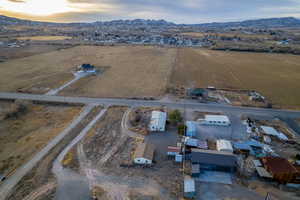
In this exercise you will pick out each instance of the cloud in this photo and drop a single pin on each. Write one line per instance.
(180, 11)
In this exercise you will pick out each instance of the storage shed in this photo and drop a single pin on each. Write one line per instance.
(189, 188)
(281, 169)
(215, 120)
(158, 121)
(191, 129)
(214, 160)
(224, 145)
(144, 154)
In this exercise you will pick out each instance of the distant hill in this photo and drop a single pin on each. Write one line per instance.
(259, 23)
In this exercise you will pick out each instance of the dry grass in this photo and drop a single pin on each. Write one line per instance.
(277, 76)
(25, 135)
(44, 38)
(131, 71)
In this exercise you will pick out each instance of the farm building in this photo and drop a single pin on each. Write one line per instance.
(144, 154)
(214, 160)
(158, 121)
(190, 129)
(173, 151)
(189, 188)
(224, 145)
(281, 169)
(215, 120)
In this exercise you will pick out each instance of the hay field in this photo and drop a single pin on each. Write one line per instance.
(130, 71)
(277, 76)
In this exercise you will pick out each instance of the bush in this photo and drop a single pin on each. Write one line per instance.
(181, 129)
(18, 108)
(175, 117)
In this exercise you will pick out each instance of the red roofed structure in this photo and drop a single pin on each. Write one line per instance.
(281, 169)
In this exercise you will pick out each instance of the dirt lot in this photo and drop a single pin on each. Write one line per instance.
(276, 76)
(27, 132)
(106, 138)
(132, 71)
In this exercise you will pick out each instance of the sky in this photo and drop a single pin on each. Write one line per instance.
(178, 11)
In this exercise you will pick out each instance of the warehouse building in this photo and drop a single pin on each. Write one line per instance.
(215, 120)
(158, 121)
(214, 160)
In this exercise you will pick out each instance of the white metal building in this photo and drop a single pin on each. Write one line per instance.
(224, 145)
(158, 121)
(216, 120)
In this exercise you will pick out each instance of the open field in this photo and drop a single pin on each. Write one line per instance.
(276, 76)
(26, 131)
(7, 53)
(44, 38)
(129, 71)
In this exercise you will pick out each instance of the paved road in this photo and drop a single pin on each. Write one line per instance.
(131, 102)
(8, 185)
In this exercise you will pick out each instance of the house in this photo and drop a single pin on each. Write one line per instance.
(189, 188)
(214, 160)
(268, 130)
(190, 129)
(86, 68)
(144, 154)
(173, 151)
(224, 145)
(215, 120)
(158, 121)
(281, 169)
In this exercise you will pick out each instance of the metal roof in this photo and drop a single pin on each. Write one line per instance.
(158, 119)
(277, 165)
(269, 130)
(262, 172)
(224, 145)
(212, 157)
(144, 150)
(189, 184)
(217, 118)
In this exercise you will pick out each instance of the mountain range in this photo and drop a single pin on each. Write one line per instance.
(258, 23)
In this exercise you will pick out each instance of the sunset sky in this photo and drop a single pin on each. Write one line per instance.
(179, 11)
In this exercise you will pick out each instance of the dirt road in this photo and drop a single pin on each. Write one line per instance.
(70, 184)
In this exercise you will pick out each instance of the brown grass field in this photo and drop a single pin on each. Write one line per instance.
(130, 71)
(23, 136)
(277, 76)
